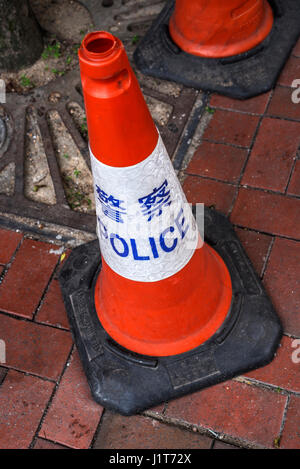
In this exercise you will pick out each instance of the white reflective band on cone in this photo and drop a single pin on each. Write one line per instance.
(145, 226)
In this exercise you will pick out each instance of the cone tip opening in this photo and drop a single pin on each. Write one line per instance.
(99, 44)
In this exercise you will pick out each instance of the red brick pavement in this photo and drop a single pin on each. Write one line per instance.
(73, 417)
(246, 166)
(21, 287)
(260, 192)
(281, 104)
(117, 432)
(246, 412)
(9, 241)
(277, 141)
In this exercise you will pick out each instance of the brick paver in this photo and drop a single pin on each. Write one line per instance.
(53, 310)
(281, 104)
(231, 127)
(139, 432)
(282, 372)
(218, 161)
(3, 372)
(73, 416)
(294, 185)
(255, 105)
(236, 409)
(267, 212)
(23, 285)
(33, 348)
(9, 241)
(257, 247)
(45, 444)
(282, 281)
(210, 192)
(222, 445)
(23, 400)
(277, 143)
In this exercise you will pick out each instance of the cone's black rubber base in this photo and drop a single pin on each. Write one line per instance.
(242, 76)
(129, 383)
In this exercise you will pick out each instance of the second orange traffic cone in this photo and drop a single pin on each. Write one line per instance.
(233, 47)
(214, 28)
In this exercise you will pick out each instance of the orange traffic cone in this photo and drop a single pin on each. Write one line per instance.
(157, 294)
(234, 47)
(161, 292)
(214, 28)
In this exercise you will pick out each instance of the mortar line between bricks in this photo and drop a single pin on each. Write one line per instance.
(267, 386)
(211, 140)
(52, 441)
(213, 444)
(238, 185)
(211, 178)
(269, 191)
(264, 114)
(267, 257)
(45, 291)
(238, 111)
(182, 424)
(292, 172)
(245, 165)
(253, 229)
(46, 237)
(98, 429)
(281, 118)
(219, 436)
(268, 233)
(165, 408)
(9, 264)
(194, 428)
(280, 85)
(48, 405)
(42, 324)
(4, 374)
(248, 156)
(283, 418)
(27, 373)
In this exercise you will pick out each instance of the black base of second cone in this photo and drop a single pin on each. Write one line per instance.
(129, 383)
(242, 76)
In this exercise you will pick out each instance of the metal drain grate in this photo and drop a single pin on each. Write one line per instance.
(124, 18)
(43, 133)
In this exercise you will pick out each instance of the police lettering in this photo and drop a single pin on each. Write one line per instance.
(165, 242)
